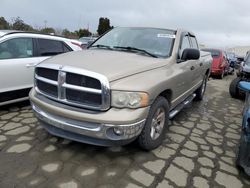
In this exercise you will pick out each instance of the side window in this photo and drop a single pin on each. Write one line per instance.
(48, 47)
(16, 48)
(66, 48)
(194, 42)
(184, 44)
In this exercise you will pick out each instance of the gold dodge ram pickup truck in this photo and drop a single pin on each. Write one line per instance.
(124, 87)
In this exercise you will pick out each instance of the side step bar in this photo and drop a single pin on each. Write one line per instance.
(180, 106)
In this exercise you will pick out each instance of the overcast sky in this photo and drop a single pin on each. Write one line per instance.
(219, 23)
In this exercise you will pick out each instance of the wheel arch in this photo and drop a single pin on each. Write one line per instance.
(167, 94)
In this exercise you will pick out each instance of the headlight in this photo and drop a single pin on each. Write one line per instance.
(121, 99)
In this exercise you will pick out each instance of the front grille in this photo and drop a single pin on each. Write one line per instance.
(83, 97)
(76, 87)
(84, 81)
(47, 88)
(47, 73)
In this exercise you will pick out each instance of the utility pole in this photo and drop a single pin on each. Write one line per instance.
(45, 23)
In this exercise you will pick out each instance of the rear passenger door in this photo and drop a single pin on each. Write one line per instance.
(47, 48)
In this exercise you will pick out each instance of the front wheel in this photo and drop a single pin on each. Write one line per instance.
(156, 125)
(201, 90)
(233, 88)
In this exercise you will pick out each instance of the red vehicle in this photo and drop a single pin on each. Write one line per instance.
(220, 65)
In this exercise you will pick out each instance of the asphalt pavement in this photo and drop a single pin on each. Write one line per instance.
(199, 151)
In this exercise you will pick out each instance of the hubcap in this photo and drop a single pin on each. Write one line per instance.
(157, 123)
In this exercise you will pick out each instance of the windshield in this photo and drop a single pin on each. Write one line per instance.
(214, 53)
(157, 42)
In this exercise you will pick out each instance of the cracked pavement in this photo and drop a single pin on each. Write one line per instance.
(199, 151)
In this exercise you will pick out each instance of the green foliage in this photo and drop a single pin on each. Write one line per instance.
(4, 24)
(104, 26)
(48, 30)
(68, 34)
(19, 24)
(83, 33)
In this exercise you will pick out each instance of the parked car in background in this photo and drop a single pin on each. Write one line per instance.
(19, 53)
(239, 60)
(232, 59)
(86, 41)
(243, 74)
(243, 155)
(125, 86)
(220, 65)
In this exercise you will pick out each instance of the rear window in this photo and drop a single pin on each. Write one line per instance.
(214, 53)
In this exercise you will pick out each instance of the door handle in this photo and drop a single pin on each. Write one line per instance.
(31, 65)
(192, 68)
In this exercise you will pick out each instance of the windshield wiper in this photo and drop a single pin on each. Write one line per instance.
(100, 46)
(129, 48)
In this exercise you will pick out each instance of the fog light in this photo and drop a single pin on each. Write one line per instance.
(118, 131)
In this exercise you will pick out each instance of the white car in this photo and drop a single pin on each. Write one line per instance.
(19, 54)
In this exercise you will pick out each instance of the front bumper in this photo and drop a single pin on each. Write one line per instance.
(91, 131)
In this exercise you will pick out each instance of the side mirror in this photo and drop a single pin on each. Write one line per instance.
(190, 54)
(245, 86)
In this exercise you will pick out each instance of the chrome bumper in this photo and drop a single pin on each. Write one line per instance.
(109, 132)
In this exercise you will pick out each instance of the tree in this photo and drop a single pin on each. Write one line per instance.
(104, 26)
(4, 24)
(83, 33)
(68, 34)
(48, 30)
(18, 24)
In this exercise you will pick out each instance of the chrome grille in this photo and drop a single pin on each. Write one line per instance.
(73, 86)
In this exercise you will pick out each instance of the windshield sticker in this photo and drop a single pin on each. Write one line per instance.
(166, 36)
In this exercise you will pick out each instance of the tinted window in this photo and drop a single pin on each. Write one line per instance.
(214, 53)
(16, 48)
(184, 44)
(194, 42)
(51, 47)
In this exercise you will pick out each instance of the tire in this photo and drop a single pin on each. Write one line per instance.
(222, 74)
(150, 138)
(239, 154)
(233, 88)
(201, 90)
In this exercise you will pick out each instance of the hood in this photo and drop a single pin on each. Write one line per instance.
(112, 64)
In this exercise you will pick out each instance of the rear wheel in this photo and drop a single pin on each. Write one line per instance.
(222, 74)
(233, 88)
(156, 125)
(201, 90)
